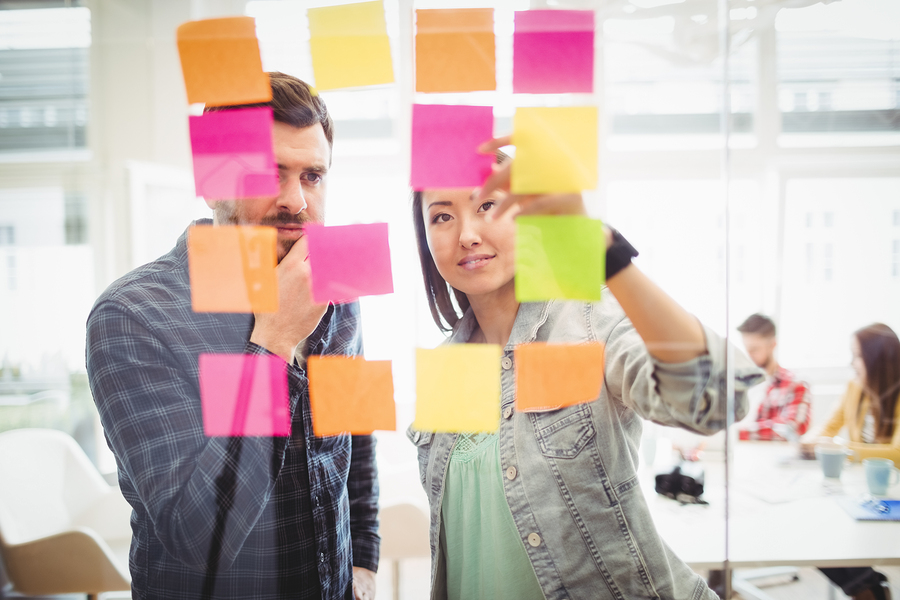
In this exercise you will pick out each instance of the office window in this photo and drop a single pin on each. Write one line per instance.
(827, 219)
(827, 262)
(895, 260)
(897, 218)
(76, 219)
(7, 235)
(44, 60)
(11, 279)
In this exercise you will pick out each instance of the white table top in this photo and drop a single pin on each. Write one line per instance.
(783, 512)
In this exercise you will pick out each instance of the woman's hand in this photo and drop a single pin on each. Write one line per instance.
(527, 204)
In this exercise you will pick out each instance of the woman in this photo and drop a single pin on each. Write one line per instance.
(549, 506)
(871, 412)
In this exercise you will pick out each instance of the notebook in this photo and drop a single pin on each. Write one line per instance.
(861, 511)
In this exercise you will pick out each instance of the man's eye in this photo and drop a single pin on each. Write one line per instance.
(312, 177)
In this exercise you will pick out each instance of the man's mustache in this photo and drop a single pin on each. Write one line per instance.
(285, 219)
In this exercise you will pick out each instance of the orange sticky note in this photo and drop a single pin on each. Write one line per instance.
(221, 63)
(455, 50)
(551, 376)
(348, 394)
(232, 269)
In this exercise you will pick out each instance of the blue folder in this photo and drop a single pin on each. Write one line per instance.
(865, 511)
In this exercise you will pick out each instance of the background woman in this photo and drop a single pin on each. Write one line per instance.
(549, 506)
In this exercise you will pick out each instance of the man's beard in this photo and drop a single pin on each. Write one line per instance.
(230, 212)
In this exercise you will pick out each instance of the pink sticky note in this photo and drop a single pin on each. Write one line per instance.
(233, 156)
(553, 51)
(445, 140)
(244, 394)
(349, 261)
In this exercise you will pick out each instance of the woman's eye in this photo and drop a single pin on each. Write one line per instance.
(441, 218)
(486, 206)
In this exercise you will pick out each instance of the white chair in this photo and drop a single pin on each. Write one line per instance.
(63, 529)
(404, 534)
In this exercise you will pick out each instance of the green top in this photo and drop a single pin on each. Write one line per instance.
(486, 558)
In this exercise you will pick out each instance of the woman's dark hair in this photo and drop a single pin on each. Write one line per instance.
(437, 290)
(880, 351)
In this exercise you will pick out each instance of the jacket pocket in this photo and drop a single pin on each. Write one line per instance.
(564, 433)
(422, 441)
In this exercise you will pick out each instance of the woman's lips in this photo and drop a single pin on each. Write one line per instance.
(475, 261)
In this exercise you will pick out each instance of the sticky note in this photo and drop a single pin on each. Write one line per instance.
(244, 394)
(349, 261)
(445, 140)
(553, 51)
(232, 269)
(458, 388)
(559, 257)
(233, 155)
(551, 376)
(455, 50)
(349, 45)
(221, 63)
(348, 394)
(556, 149)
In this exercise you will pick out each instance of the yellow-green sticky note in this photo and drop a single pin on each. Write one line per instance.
(349, 45)
(556, 149)
(559, 257)
(458, 388)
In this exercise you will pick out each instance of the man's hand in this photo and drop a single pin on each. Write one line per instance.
(297, 315)
(363, 584)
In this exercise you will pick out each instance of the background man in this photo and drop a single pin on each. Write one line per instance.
(784, 412)
(245, 517)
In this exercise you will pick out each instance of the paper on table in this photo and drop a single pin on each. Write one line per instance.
(232, 269)
(551, 376)
(221, 63)
(244, 395)
(233, 156)
(350, 394)
(553, 51)
(349, 45)
(444, 145)
(455, 50)
(559, 257)
(556, 149)
(349, 261)
(458, 388)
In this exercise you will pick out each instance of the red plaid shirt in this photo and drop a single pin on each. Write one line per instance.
(786, 402)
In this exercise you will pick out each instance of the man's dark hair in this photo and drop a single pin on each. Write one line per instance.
(293, 103)
(758, 324)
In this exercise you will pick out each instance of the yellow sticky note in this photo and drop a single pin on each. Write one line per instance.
(221, 63)
(556, 149)
(232, 269)
(458, 388)
(349, 45)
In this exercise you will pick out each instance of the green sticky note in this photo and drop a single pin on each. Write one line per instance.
(458, 388)
(556, 149)
(559, 257)
(349, 45)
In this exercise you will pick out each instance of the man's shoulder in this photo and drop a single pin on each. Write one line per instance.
(786, 378)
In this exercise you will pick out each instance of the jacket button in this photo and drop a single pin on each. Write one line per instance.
(511, 473)
(507, 412)
(534, 539)
(416, 437)
(506, 363)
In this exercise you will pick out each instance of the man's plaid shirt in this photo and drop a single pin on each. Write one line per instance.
(248, 517)
(787, 402)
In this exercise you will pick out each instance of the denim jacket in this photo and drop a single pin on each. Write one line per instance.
(570, 475)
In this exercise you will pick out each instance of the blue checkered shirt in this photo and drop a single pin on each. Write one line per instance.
(219, 517)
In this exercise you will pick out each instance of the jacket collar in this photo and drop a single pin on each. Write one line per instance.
(529, 318)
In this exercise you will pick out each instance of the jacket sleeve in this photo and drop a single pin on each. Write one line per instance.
(202, 494)
(691, 395)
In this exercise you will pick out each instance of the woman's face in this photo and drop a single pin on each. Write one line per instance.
(859, 367)
(473, 255)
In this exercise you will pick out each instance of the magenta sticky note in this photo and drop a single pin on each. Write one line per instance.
(553, 51)
(445, 141)
(244, 394)
(233, 156)
(349, 261)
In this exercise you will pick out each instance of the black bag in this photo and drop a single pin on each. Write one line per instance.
(684, 482)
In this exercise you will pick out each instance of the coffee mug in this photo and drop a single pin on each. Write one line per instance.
(832, 457)
(880, 475)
